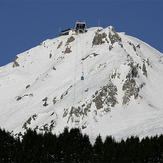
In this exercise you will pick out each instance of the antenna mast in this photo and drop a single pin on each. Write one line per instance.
(98, 22)
(59, 31)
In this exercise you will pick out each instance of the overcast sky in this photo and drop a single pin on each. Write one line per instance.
(26, 23)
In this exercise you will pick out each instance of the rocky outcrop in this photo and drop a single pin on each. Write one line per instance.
(130, 89)
(106, 95)
(48, 127)
(54, 100)
(21, 97)
(103, 99)
(16, 64)
(59, 45)
(50, 55)
(113, 36)
(133, 70)
(65, 93)
(29, 121)
(65, 113)
(90, 56)
(98, 38)
(71, 39)
(144, 70)
(68, 50)
(27, 86)
(45, 102)
(54, 68)
(77, 111)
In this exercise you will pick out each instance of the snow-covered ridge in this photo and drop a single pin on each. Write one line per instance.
(121, 94)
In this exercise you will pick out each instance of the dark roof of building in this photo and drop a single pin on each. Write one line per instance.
(66, 30)
(80, 23)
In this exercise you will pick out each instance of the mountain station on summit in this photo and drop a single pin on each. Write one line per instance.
(80, 27)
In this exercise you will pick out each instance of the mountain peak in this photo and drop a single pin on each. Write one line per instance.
(100, 81)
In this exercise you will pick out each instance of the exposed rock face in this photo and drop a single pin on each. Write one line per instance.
(47, 127)
(110, 47)
(104, 99)
(76, 111)
(79, 111)
(106, 95)
(65, 93)
(71, 39)
(28, 122)
(87, 108)
(134, 48)
(114, 37)
(16, 64)
(44, 128)
(68, 50)
(54, 68)
(144, 70)
(98, 38)
(45, 101)
(26, 95)
(134, 70)
(90, 56)
(130, 89)
(50, 55)
(65, 113)
(59, 45)
(27, 86)
(54, 100)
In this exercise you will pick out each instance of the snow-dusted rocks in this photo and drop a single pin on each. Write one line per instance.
(101, 81)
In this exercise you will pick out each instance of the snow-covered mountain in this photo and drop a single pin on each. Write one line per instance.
(121, 93)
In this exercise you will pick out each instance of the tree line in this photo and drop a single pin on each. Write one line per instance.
(73, 146)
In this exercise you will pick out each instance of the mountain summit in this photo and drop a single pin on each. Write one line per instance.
(100, 81)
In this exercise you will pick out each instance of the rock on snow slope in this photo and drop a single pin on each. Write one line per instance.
(121, 94)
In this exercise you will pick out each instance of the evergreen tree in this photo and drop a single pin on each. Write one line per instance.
(109, 149)
(98, 150)
(50, 145)
(7, 146)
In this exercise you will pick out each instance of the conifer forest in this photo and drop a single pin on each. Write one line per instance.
(72, 146)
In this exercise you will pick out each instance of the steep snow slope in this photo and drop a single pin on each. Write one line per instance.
(121, 94)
